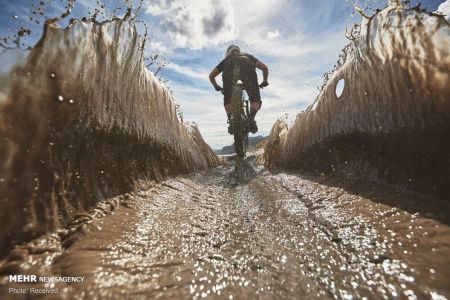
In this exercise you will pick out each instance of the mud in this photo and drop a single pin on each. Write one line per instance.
(268, 236)
(84, 120)
(392, 122)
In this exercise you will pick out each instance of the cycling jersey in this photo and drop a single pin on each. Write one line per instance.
(242, 67)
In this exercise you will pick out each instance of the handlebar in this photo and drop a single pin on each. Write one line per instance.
(260, 87)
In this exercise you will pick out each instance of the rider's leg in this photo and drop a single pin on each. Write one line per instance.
(254, 107)
(255, 98)
(255, 104)
(228, 111)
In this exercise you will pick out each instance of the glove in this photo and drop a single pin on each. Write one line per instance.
(263, 84)
(217, 87)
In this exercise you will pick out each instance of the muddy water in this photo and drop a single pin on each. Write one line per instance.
(274, 236)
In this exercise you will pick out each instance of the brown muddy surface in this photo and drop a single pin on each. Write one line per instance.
(264, 236)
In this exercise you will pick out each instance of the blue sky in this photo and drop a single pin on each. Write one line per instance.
(299, 40)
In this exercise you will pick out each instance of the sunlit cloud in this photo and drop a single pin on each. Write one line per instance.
(188, 71)
(444, 9)
(195, 24)
(273, 34)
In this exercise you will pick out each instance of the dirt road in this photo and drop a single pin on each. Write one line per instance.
(272, 236)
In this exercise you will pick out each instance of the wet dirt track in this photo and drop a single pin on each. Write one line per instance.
(274, 236)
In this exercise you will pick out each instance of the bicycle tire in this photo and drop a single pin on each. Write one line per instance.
(240, 141)
(239, 117)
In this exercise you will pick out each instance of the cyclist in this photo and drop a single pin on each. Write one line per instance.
(246, 64)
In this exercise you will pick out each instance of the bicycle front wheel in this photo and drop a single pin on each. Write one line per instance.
(240, 142)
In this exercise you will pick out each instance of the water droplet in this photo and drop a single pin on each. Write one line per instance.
(60, 98)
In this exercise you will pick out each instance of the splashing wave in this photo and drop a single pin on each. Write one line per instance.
(83, 119)
(392, 121)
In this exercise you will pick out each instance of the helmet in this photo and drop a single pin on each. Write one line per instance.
(231, 48)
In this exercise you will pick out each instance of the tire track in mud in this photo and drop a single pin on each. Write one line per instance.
(275, 236)
(374, 250)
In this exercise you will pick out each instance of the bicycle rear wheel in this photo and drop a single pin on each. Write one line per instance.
(239, 121)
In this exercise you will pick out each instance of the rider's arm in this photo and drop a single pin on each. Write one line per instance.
(213, 75)
(263, 68)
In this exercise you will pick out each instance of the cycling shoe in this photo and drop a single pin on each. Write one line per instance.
(252, 126)
(230, 129)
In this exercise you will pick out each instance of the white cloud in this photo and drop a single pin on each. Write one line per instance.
(195, 24)
(189, 72)
(444, 9)
(273, 34)
(159, 46)
(251, 12)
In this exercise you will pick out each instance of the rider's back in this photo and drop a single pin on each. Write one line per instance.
(240, 66)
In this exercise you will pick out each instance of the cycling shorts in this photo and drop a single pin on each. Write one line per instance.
(252, 92)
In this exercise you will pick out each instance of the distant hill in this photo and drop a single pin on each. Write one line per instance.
(252, 142)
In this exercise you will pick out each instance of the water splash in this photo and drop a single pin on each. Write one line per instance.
(392, 120)
(85, 116)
